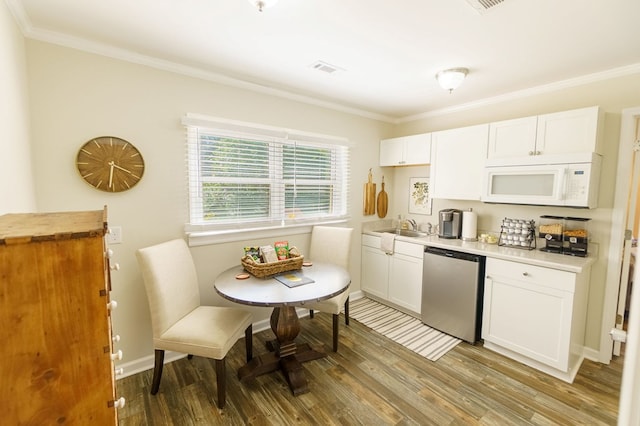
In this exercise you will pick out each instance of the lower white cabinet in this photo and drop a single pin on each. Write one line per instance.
(536, 315)
(395, 278)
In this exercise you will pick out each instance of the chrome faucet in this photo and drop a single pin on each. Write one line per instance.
(414, 225)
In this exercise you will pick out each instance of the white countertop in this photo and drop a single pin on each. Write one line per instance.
(533, 257)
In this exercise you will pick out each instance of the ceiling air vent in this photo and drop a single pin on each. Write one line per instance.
(483, 6)
(325, 67)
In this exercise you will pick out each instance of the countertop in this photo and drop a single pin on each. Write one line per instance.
(533, 257)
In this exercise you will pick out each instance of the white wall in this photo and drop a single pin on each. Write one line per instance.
(612, 96)
(76, 96)
(16, 184)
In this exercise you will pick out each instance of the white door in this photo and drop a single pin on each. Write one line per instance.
(629, 410)
(629, 253)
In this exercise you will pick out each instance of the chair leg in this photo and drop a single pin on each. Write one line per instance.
(220, 380)
(248, 341)
(157, 371)
(336, 321)
(310, 313)
(346, 311)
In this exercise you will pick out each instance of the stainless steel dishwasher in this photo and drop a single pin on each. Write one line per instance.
(452, 290)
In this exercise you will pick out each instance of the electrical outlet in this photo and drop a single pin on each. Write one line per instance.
(114, 236)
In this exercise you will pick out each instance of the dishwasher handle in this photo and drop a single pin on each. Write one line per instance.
(452, 254)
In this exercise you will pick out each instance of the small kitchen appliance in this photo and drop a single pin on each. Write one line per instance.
(450, 224)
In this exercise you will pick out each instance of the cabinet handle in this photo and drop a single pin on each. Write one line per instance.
(116, 356)
(115, 267)
(488, 277)
(119, 371)
(531, 153)
(116, 338)
(109, 253)
(538, 152)
(112, 305)
(525, 274)
(119, 403)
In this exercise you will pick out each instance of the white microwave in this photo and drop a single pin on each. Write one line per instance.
(562, 184)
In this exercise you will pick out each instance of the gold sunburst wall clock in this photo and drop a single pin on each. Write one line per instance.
(110, 164)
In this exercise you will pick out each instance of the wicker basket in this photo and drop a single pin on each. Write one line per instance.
(261, 270)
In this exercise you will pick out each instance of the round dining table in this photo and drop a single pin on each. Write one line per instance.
(327, 280)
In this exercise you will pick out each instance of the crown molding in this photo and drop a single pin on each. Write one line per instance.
(25, 25)
(532, 91)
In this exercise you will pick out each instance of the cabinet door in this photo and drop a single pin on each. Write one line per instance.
(457, 162)
(405, 281)
(418, 149)
(406, 150)
(568, 131)
(527, 316)
(512, 138)
(375, 271)
(392, 152)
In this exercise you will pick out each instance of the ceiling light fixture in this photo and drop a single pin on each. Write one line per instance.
(263, 4)
(452, 78)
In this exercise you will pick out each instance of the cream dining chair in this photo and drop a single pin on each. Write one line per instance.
(331, 245)
(178, 320)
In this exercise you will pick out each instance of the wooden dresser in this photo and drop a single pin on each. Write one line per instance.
(56, 350)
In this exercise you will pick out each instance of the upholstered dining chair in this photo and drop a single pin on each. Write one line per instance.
(180, 323)
(331, 245)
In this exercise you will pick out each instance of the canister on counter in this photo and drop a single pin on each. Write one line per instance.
(575, 236)
(550, 229)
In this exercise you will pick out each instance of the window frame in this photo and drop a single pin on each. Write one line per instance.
(200, 231)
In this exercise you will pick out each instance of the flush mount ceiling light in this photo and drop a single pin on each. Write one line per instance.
(452, 78)
(263, 4)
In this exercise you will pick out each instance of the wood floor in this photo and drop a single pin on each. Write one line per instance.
(374, 381)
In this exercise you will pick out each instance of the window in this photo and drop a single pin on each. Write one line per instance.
(249, 176)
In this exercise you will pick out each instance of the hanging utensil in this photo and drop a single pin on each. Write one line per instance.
(382, 202)
(369, 196)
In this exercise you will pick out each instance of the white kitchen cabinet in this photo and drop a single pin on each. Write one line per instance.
(569, 131)
(536, 315)
(512, 138)
(395, 278)
(375, 268)
(566, 132)
(406, 150)
(457, 163)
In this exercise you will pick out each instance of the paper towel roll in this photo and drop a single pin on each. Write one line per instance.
(469, 226)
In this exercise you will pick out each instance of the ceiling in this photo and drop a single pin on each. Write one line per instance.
(387, 52)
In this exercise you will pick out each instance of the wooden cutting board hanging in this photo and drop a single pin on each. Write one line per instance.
(369, 196)
(382, 202)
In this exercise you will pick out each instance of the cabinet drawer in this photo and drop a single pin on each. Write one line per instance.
(371, 241)
(540, 276)
(409, 249)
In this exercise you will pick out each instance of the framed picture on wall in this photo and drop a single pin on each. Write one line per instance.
(419, 197)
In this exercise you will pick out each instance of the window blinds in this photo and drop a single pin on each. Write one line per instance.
(243, 175)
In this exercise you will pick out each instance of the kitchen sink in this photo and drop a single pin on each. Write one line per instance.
(404, 232)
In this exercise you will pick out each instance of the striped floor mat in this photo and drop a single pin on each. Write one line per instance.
(410, 332)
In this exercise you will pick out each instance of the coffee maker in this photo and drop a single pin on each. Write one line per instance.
(450, 225)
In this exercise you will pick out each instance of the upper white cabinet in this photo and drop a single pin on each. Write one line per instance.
(569, 131)
(406, 150)
(558, 133)
(512, 138)
(457, 163)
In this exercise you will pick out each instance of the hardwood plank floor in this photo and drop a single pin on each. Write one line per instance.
(372, 380)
